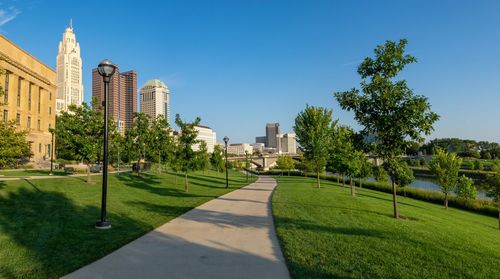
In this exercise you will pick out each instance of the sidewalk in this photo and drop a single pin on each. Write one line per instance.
(229, 237)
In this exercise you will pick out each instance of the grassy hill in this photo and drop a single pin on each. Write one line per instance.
(328, 233)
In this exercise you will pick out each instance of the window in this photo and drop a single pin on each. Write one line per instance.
(50, 96)
(29, 122)
(38, 124)
(50, 126)
(39, 98)
(6, 88)
(29, 96)
(5, 115)
(19, 81)
(18, 119)
(39, 148)
(50, 110)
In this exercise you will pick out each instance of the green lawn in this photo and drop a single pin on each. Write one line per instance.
(47, 226)
(28, 172)
(327, 233)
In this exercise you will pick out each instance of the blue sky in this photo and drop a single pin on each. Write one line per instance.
(241, 64)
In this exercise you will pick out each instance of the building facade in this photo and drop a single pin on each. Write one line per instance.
(207, 135)
(69, 72)
(122, 96)
(261, 139)
(29, 97)
(272, 130)
(155, 99)
(239, 149)
(288, 144)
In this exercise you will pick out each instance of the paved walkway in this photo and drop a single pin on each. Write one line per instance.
(229, 237)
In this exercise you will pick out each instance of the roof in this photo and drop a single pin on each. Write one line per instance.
(155, 83)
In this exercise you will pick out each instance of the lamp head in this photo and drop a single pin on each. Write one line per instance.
(106, 68)
(226, 139)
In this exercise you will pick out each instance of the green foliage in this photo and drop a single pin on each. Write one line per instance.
(285, 163)
(486, 155)
(185, 156)
(493, 189)
(400, 172)
(217, 159)
(380, 174)
(160, 146)
(202, 157)
(13, 145)
(312, 127)
(478, 165)
(465, 188)
(138, 137)
(445, 167)
(495, 165)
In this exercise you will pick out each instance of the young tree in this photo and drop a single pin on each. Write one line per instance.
(217, 160)
(365, 171)
(312, 127)
(446, 166)
(493, 191)
(465, 188)
(13, 145)
(380, 174)
(185, 155)
(478, 165)
(401, 172)
(138, 136)
(202, 157)
(285, 163)
(387, 108)
(160, 145)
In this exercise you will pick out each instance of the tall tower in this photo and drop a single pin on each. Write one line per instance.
(272, 130)
(69, 72)
(155, 99)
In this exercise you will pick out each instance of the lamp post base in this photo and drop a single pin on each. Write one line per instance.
(103, 225)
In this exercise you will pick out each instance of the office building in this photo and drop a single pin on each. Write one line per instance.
(258, 147)
(239, 149)
(262, 139)
(69, 72)
(288, 144)
(207, 135)
(272, 129)
(122, 96)
(155, 99)
(29, 97)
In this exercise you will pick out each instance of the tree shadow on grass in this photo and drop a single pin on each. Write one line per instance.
(388, 200)
(49, 235)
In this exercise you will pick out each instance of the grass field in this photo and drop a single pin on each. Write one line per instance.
(327, 233)
(47, 226)
(33, 172)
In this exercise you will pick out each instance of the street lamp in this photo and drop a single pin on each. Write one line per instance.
(246, 163)
(52, 131)
(226, 139)
(106, 69)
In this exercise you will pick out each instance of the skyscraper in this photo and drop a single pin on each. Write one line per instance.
(272, 130)
(122, 96)
(155, 99)
(69, 72)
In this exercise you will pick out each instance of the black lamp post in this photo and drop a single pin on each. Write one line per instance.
(106, 69)
(51, 130)
(226, 139)
(246, 163)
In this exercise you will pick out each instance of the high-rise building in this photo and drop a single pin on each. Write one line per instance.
(29, 97)
(155, 99)
(288, 144)
(122, 96)
(69, 72)
(261, 139)
(272, 129)
(207, 135)
(239, 149)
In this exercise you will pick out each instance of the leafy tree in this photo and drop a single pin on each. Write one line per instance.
(14, 145)
(401, 172)
(388, 108)
(174, 161)
(365, 171)
(186, 157)
(493, 190)
(217, 159)
(79, 134)
(380, 174)
(285, 163)
(202, 157)
(495, 165)
(446, 166)
(305, 166)
(478, 165)
(138, 137)
(160, 141)
(465, 188)
(470, 165)
(312, 127)
(486, 155)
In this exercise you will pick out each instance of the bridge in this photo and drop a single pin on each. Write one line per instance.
(265, 161)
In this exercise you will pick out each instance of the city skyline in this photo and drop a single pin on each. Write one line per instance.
(224, 67)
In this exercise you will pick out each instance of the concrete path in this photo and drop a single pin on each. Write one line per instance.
(229, 237)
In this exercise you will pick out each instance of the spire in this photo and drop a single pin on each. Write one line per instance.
(71, 23)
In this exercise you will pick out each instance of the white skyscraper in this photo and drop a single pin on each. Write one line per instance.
(155, 99)
(69, 72)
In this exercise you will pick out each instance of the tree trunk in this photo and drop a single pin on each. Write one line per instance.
(353, 191)
(317, 180)
(176, 173)
(499, 217)
(288, 173)
(395, 199)
(185, 182)
(89, 179)
(446, 200)
(343, 180)
(404, 191)
(360, 183)
(338, 179)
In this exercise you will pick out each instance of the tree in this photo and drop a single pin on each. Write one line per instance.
(312, 127)
(285, 163)
(14, 145)
(445, 167)
(493, 191)
(79, 133)
(160, 141)
(478, 165)
(465, 188)
(400, 171)
(202, 157)
(217, 160)
(380, 174)
(365, 171)
(186, 157)
(139, 137)
(387, 108)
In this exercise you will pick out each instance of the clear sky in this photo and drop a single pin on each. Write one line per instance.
(241, 64)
